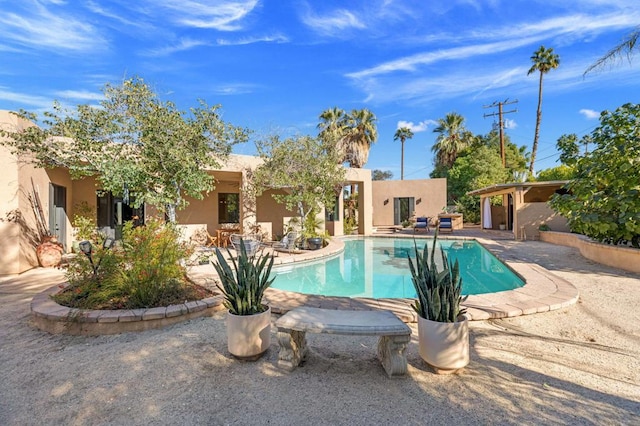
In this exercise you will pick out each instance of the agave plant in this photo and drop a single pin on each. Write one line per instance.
(243, 285)
(439, 292)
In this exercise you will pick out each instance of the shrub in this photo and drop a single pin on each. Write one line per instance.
(152, 271)
(603, 199)
(143, 271)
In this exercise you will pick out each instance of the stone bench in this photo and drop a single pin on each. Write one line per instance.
(293, 326)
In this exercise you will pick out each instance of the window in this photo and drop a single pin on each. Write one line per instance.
(228, 208)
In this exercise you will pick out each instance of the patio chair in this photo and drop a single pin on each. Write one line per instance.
(288, 242)
(421, 223)
(251, 245)
(445, 224)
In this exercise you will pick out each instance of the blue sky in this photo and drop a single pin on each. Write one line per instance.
(275, 65)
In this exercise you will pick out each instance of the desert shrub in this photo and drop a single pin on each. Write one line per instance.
(152, 271)
(144, 270)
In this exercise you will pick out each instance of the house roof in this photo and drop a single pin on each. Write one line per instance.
(508, 187)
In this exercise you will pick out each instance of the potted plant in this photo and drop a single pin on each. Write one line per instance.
(502, 226)
(443, 329)
(248, 319)
(313, 239)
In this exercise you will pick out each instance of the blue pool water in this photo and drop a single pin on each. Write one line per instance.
(378, 268)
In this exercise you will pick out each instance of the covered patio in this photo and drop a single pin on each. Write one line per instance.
(524, 208)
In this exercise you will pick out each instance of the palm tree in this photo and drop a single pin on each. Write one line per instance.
(361, 134)
(332, 127)
(403, 133)
(451, 140)
(624, 48)
(544, 60)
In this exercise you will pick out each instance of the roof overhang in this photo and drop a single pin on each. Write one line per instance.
(505, 188)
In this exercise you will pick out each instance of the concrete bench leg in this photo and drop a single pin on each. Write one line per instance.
(391, 354)
(293, 348)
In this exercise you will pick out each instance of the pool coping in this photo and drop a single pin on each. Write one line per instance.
(543, 291)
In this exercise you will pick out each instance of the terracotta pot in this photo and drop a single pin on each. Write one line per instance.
(444, 345)
(249, 336)
(49, 253)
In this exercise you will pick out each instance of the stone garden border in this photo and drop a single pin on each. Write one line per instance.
(57, 319)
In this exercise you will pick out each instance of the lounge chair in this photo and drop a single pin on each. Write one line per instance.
(287, 243)
(251, 244)
(421, 223)
(445, 224)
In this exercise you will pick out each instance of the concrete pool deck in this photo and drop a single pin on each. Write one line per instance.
(542, 292)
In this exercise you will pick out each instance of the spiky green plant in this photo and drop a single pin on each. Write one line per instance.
(439, 292)
(244, 285)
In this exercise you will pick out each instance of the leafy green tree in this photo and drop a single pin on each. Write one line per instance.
(402, 134)
(134, 144)
(603, 200)
(561, 172)
(569, 149)
(625, 48)
(544, 60)
(516, 158)
(381, 175)
(452, 139)
(474, 170)
(307, 169)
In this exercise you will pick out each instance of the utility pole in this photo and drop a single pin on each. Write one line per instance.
(500, 113)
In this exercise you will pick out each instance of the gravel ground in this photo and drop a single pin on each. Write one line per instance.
(580, 365)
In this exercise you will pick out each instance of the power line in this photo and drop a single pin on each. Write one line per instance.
(500, 113)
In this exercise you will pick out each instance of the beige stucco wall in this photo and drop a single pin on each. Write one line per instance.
(625, 258)
(430, 197)
(362, 177)
(531, 215)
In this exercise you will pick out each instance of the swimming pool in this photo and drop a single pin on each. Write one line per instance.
(378, 268)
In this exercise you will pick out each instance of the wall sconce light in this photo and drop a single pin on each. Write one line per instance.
(419, 200)
(386, 201)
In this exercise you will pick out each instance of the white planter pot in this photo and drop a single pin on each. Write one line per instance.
(249, 336)
(444, 345)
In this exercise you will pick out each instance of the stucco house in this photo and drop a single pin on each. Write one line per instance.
(32, 197)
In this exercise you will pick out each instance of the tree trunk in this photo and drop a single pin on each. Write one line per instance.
(534, 148)
(171, 213)
(402, 160)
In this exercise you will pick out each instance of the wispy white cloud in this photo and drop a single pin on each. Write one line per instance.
(416, 128)
(590, 114)
(182, 45)
(220, 15)
(278, 38)
(121, 18)
(80, 95)
(332, 23)
(444, 71)
(410, 63)
(37, 101)
(510, 38)
(35, 26)
(234, 89)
